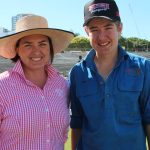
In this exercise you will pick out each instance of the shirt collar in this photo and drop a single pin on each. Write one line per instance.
(123, 55)
(89, 59)
(51, 71)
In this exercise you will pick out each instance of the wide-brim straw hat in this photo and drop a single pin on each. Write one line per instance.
(33, 24)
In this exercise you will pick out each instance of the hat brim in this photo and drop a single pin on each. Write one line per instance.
(60, 40)
(87, 21)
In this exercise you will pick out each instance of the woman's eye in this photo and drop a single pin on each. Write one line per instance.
(43, 44)
(27, 45)
(108, 28)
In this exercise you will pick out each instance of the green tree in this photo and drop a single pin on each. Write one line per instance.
(81, 43)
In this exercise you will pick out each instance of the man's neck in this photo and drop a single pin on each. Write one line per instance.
(105, 64)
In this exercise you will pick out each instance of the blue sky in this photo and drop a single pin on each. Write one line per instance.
(68, 14)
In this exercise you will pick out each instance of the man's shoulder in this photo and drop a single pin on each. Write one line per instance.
(83, 63)
(138, 61)
(136, 58)
(136, 55)
(78, 67)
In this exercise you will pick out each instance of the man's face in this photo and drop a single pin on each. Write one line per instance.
(104, 35)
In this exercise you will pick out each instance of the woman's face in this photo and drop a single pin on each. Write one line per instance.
(34, 51)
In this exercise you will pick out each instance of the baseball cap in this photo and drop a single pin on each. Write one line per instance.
(101, 8)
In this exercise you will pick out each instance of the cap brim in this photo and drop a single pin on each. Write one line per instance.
(60, 40)
(88, 20)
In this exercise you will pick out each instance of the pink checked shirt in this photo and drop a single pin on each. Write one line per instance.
(32, 118)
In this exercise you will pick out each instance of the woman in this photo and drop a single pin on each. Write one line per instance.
(33, 96)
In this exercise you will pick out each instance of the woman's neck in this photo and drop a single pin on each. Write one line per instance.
(37, 77)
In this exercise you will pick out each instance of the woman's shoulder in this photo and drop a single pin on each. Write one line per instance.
(4, 75)
(60, 81)
(6, 78)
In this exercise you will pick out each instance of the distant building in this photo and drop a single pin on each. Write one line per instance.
(16, 18)
(3, 31)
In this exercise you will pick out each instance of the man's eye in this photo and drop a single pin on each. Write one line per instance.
(108, 28)
(94, 30)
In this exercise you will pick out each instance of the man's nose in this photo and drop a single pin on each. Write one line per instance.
(101, 35)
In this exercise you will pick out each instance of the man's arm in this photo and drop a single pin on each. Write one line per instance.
(75, 136)
(147, 130)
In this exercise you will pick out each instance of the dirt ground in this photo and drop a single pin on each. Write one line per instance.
(62, 61)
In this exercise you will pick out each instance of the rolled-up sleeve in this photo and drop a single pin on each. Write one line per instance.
(145, 96)
(1, 110)
(76, 110)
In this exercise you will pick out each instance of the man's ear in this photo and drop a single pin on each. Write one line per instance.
(86, 30)
(120, 27)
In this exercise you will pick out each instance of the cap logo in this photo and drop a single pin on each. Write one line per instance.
(98, 7)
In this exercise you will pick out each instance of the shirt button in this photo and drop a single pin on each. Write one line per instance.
(108, 95)
(42, 97)
(101, 82)
(47, 141)
(47, 110)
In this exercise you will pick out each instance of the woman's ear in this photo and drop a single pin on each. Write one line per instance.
(17, 50)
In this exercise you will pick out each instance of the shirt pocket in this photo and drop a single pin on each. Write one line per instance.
(129, 89)
(89, 98)
(86, 88)
(131, 84)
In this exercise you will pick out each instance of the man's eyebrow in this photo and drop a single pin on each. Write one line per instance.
(108, 25)
(92, 27)
(95, 27)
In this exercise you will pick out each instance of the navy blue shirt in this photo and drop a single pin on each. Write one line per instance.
(111, 113)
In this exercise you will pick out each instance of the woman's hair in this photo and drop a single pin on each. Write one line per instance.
(15, 59)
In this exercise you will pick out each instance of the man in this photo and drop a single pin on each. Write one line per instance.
(109, 88)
